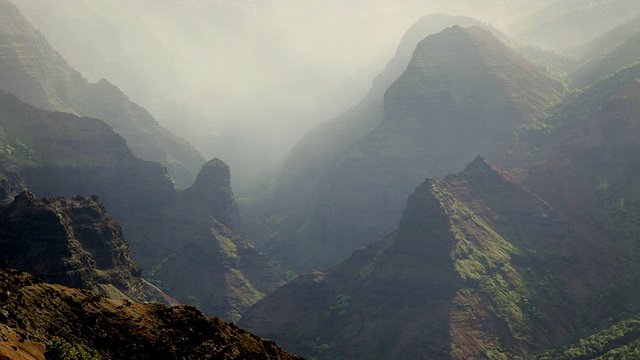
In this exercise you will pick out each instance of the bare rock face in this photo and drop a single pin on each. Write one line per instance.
(71, 242)
(39, 320)
(211, 194)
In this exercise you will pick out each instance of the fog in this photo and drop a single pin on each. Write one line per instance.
(243, 80)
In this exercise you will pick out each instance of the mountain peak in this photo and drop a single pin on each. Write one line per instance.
(211, 194)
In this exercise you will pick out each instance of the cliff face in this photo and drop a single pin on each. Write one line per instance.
(211, 194)
(37, 74)
(39, 319)
(463, 93)
(71, 242)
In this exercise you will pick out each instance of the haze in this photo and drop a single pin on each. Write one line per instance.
(243, 80)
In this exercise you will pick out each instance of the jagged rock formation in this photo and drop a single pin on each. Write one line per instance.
(71, 242)
(197, 255)
(463, 93)
(186, 242)
(211, 194)
(37, 74)
(39, 319)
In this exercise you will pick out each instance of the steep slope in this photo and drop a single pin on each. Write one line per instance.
(620, 341)
(186, 242)
(62, 154)
(41, 320)
(463, 93)
(37, 74)
(71, 242)
(598, 132)
(480, 267)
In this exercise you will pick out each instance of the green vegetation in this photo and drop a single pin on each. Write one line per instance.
(620, 341)
(60, 349)
(340, 307)
(156, 268)
(620, 216)
(481, 256)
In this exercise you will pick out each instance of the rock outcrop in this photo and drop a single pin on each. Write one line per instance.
(211, 195)
(72, 242)
(37, 74)
(197, 254)
(39, 320)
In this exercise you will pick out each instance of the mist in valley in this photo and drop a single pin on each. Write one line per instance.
(243, 81)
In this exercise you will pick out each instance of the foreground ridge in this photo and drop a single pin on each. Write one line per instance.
(38, 318)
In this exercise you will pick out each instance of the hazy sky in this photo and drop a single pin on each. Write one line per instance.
(251, 74)
(242, 59)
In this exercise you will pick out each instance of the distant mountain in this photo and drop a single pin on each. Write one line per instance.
(40, 320)
(463, 93)
(622, 49)
(567, 24)
(605, 42)
(313, 154)
(71, 242)
(37, 74)
(186, 242)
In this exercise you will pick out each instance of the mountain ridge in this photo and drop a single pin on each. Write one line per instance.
(39, 320)
(448, 106)
(37, 74)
